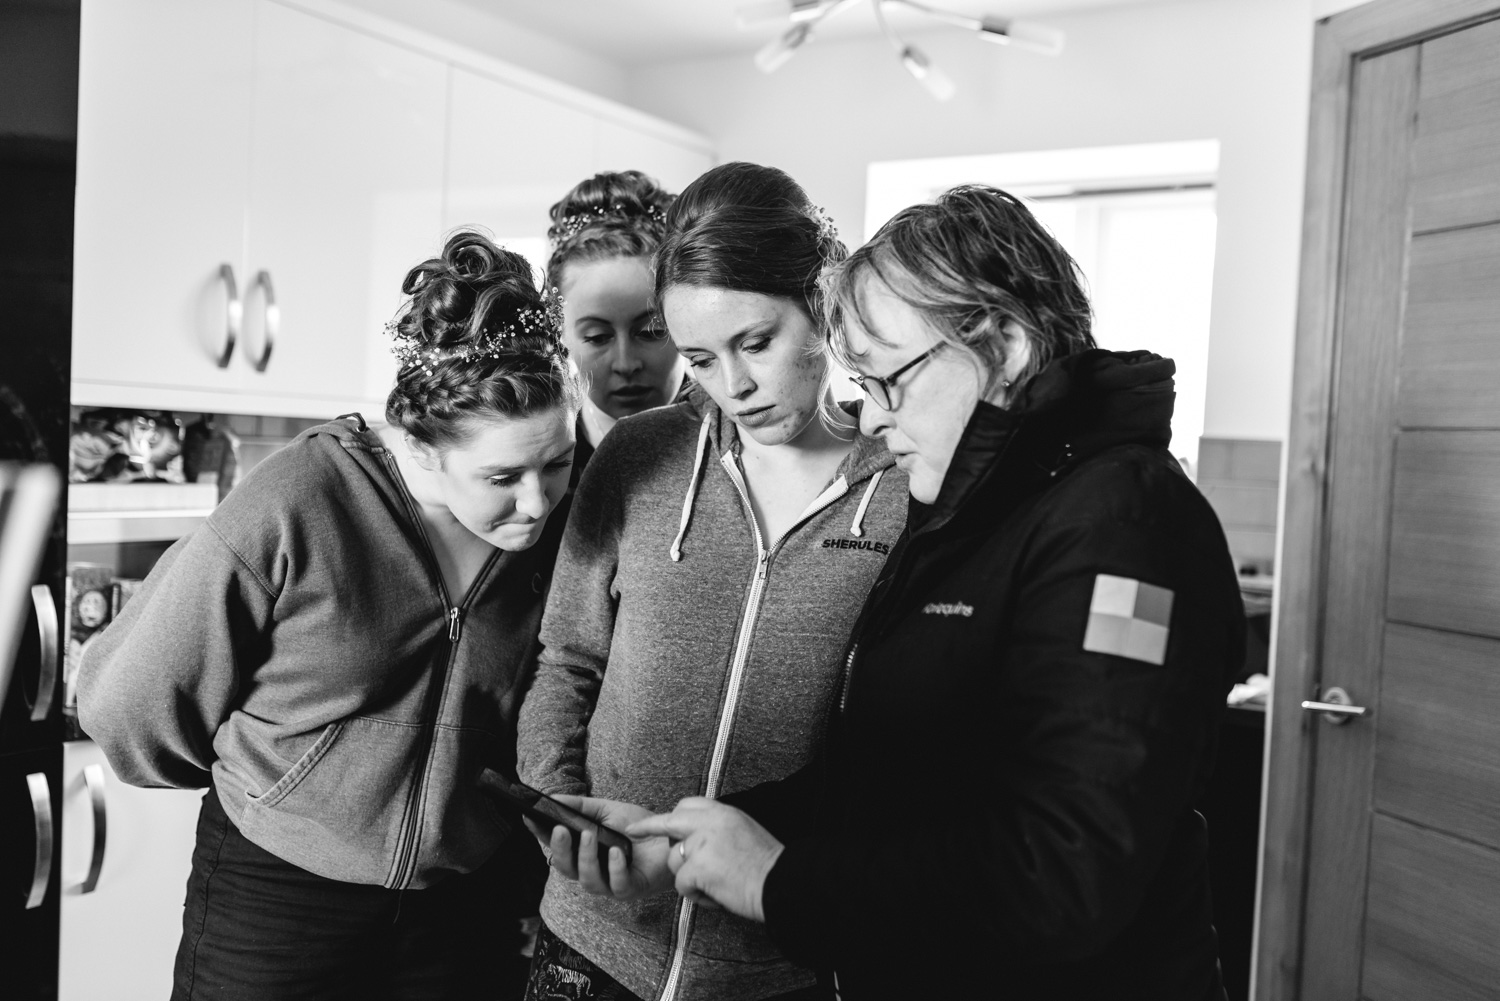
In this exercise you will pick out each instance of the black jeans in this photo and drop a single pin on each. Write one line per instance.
(256, 928)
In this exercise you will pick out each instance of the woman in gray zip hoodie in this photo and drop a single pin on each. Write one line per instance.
(718, 553)
(340, 649)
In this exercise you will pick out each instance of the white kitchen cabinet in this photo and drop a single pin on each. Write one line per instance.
(163, 168)
(346, 193)
(622, 147)
(119, 936)
(303, 154)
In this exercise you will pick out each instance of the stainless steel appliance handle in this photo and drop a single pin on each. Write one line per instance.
(93, 779)
(234, 312)
(46, 675)
(272, 316)
(41, 810)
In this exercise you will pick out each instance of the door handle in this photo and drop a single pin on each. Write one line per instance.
(234, 312)
(272, 318)
(41, 812)
(1336, 707)
(93, 780)
(46, 627)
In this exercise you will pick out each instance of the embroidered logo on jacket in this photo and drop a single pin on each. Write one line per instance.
(948, 608)
(1129, 618)
(883, 548)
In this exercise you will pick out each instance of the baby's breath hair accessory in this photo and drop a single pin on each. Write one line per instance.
(574, 223)
(544, 322)
(826, 229)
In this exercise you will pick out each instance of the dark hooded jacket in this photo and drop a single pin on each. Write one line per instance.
(1030, 712)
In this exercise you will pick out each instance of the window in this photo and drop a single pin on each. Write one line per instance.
(1139, 220)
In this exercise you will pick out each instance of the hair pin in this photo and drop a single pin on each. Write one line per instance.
(574, 223)
(544, 321)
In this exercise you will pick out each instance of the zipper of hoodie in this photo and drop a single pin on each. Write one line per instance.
(411, 820)
(764, 556)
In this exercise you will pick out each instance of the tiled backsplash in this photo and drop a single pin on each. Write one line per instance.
(1241, 478)
(260, 436)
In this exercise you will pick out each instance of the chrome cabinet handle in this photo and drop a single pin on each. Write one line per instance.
(273, 318)
(46, 627)
(41, 811)
(93, 778)
(234, 312)
(1336, 707)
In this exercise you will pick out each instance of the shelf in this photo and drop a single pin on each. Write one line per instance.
(137, 512)
(132, 526)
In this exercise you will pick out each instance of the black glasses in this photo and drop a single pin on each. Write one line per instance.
(880, 389)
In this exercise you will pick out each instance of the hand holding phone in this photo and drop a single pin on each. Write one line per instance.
(547, 813)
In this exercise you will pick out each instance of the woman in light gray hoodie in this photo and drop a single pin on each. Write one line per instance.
(718, 554)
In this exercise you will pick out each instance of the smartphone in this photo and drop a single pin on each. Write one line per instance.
(547, 813)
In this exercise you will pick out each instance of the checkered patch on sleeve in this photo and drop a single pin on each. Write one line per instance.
(1129, 618)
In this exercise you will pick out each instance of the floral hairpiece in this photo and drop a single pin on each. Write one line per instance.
(574, 223)
(543, 321)
(826, 229)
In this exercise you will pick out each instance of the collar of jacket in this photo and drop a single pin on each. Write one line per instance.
(1074, 408)
(867, 456)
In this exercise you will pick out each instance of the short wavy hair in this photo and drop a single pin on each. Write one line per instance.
(969, 262)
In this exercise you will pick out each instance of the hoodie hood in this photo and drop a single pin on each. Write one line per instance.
(862, 468)
(1075, 408)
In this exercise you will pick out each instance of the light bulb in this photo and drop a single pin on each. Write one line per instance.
(1026, 34)
(758, 15)
(773, 56)
(938, 83)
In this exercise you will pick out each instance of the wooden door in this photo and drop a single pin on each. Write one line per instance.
(1382, 860)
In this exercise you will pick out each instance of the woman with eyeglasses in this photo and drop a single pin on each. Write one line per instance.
(1034, 686)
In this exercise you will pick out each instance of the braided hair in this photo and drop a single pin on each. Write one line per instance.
(476, 338)
(612, 214)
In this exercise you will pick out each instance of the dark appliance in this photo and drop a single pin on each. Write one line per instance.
(36, 260)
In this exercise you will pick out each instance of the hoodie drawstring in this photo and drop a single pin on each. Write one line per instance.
(692, 492)
(858, 527)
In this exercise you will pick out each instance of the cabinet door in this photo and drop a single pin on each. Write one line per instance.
(345, 195)
(119, 938)
(622, 147)
(29, 790)
(163, 149)
(513, 154)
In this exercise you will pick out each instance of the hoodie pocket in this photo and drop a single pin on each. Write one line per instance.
(288, 783)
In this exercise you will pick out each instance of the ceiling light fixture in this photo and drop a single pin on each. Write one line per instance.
(805, 15)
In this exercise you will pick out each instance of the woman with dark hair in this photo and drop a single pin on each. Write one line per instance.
(1034, 687)
(341, 649)
(718, 552)
(603, 234)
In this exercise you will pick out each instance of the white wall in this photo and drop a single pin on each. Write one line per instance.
(1326, 8)
(1233, 70)
(495, 36)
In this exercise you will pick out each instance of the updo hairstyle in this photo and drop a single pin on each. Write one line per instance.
(748, 228)
(612, 214)
(969, 262)
(476, 339)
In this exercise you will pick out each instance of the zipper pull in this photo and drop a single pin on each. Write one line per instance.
(453, 624)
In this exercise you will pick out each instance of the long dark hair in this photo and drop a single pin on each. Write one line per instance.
(477, 338)
(748, 228)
